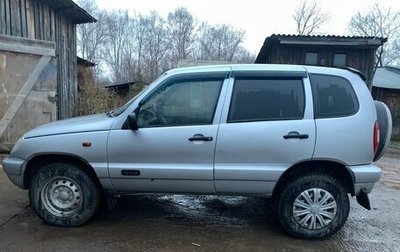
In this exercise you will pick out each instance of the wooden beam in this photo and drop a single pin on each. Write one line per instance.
(2, 17)
(25, 45)
(7, 17)
(30, 19)
(27, 41)
(24, 91)
(24, 31)
(27, 49)
(15, 18)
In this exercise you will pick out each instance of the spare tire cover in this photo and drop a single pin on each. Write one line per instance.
(385, 127)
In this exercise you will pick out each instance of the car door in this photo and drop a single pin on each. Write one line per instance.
(266, 127)
(173, 149)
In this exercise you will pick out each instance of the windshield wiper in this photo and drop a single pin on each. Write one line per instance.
(110, 113)
(115, 112)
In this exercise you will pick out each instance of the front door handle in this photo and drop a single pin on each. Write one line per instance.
(200, 137)
(295, 134)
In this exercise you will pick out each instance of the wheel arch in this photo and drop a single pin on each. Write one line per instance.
(333, 168)
(36, 161)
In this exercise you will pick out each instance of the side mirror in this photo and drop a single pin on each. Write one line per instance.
(132, 121)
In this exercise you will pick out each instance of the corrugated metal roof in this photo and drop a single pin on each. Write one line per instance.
(113, 85)
(319, 40)
(84, 62)
(387, 77)
(70, 9)
(324, 37)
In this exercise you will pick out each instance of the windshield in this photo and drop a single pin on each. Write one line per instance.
(120, 110)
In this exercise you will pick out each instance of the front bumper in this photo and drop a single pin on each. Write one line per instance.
(14, 168)
(365, 177)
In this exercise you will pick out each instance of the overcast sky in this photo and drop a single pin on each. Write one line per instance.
(258, 18)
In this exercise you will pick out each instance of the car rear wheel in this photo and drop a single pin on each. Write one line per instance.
(64, 195)
(313, 207)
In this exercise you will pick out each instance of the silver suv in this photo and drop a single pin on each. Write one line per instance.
(305, 136)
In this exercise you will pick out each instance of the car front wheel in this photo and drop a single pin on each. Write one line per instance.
(62, 194)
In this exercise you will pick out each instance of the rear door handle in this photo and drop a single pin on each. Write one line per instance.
(200, 137)
(295, 134)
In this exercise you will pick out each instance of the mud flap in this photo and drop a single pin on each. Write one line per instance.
(363, 200)
(110, 200)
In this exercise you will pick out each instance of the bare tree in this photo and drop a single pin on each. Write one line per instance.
(243, 56)
(139, 33)
(116, 50)
(380, 22)
(139, 48)
(92, 36)
(218, 43)
(309, 18)
(155, 47)
(181, 26)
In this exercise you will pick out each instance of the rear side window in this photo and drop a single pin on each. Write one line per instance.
(333, 96)
(264, 99)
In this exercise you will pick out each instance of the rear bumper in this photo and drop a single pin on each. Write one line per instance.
(14, 168)
(359, 186)
(365, 177)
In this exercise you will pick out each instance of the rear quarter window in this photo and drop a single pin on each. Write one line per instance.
(333, 96)
(266, 99)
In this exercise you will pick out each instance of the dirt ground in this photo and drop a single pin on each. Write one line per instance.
(390, 165)
(201, 223)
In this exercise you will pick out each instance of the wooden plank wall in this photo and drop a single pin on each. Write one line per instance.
(391, 97)
(36, 20)
(361, 59)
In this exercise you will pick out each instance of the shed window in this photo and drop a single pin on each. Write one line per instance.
(339, 59)
(311, 58)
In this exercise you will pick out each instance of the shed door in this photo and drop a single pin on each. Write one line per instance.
(28, 79)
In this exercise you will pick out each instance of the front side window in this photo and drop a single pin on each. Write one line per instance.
(333, 96)
(265, 99)
(180, 103)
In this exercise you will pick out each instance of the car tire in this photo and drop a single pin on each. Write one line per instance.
(62, 194)
(305, 216)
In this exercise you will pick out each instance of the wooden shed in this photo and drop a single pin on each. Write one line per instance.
(330, 51)
(121, 89)
(38, 63)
